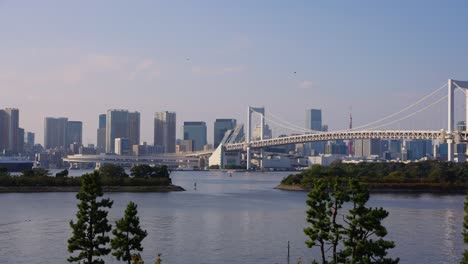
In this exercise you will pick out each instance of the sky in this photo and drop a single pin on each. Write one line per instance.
(212, 59)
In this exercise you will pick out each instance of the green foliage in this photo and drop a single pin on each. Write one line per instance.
(235, 167)
(127, 234)
(4, 172)
(90, 230)
(112, 171)
(146, 171)
(214, 167)
(358, 238)
(36, 172)
(428, 174)
(63, 173)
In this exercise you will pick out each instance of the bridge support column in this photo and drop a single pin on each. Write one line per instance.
(450, 124)
(434, 150)
(247, 159)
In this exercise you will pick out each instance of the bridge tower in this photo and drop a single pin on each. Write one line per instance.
(452, 84)
(252, 110)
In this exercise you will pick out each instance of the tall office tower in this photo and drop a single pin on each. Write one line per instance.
(74, 133)
(134, 128)
(20, 138)
(13, 128)
(366, 147)
(29, 138)
(122, 124)
(122, 146)
(195, 131)
(3, 130)
(101, 134)
(165, 130)
(55, 132)
(102, 121)
(9, 129)
(220, 128)
(314, 122)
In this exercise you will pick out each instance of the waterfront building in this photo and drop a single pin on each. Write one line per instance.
(20, 138)
(55, 131)
(165, 131)
(134, 128)
(122, 146)
(195, 131)
(366, 147)
(122, 124)
(101, 134)
(220, 128)
(74, 133)
(314, 122)
(9, 129)
(29, 139)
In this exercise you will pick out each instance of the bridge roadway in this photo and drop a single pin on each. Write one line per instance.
(172, 160)
(442, 135)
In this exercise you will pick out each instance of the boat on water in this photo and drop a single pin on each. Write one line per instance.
(15, 164)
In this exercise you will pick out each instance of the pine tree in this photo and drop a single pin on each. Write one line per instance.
(359, 237)
(89, 236)
(127, 234)
(364, 241)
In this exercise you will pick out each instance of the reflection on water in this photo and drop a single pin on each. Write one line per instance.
(238, 219)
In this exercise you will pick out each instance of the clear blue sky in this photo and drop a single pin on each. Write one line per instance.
(78, 59)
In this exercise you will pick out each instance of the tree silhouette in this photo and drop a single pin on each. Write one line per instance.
(89, 236)
(127, 234)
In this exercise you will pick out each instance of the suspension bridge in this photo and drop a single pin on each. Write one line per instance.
(368, 131)
(235, 142)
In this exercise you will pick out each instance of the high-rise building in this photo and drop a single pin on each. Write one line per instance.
(20, 138)
(29, 139)
(314, 122)
(165, 130)
(195, 131)
(101, 134)
(74, 133)
(366, 147)
(116, 127)
(122, 146)
(102, 121)
(55, 132)
(220, 128)
(9, 129)
(134, 128)
(122, 124)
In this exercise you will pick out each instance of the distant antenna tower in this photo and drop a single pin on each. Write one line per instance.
(350, 142)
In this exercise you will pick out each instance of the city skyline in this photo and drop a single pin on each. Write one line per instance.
(217, 60)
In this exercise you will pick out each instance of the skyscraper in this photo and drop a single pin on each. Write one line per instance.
(314, 122)
(74, 133)
(122, 124)
(195, 131)
(367, 147)
(134, 128)
(220, 128)
(9, 129)
(101, 134)
(55, 132)
(165, 130)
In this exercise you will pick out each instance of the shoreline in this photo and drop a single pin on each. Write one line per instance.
(41, 189)
(392, 188)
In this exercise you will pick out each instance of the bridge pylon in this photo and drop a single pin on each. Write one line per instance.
(261, 111)
(452, 85)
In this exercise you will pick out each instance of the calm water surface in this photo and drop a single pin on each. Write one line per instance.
(238, 219)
